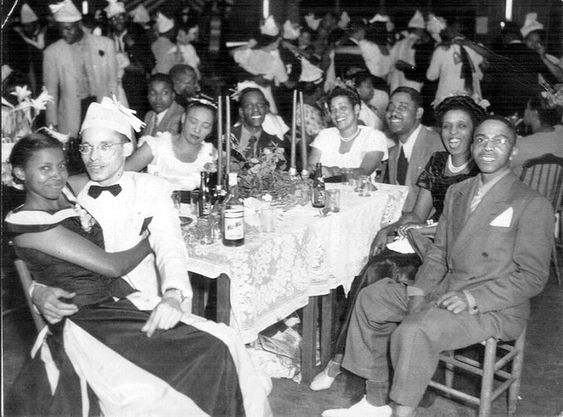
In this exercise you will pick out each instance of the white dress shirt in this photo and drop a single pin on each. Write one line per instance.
(144, 199)
(409, 144)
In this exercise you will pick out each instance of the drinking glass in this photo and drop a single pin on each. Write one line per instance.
(268, 219)
(333, 200)
(365, 186)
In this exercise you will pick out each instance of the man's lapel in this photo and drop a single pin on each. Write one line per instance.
(468, 226)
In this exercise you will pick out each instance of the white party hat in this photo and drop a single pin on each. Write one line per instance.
(27, 15)
(530, 24)
(65, 12)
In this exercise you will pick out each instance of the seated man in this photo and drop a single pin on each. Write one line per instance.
(490, 256)
(166, 114)
(248, 137)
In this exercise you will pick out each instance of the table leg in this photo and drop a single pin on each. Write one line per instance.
(308, 349)
(327, 314)
(224, 299)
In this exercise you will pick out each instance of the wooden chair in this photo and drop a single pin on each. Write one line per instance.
(26, 279)
(496, 358)
(545, 175)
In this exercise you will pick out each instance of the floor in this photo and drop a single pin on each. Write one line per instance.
(541, 391)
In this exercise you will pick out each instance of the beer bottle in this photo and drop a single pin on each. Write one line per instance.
(204, 197)
(318, 196)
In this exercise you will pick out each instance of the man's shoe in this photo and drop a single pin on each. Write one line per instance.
(360, 409)
(324, 379)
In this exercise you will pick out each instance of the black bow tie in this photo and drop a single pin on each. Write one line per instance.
(96, 190)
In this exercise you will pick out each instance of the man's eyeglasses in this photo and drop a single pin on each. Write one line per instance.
(495, 142)
(103, 147)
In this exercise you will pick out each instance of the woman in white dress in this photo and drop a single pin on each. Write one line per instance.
(347, 145)
(180, 158)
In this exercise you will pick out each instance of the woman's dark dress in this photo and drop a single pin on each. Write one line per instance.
(192, 362)
(402, 267)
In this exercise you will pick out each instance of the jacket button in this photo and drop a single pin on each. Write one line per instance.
(485, 255)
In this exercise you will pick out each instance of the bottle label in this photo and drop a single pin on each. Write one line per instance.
(318, 197)
(234, 223)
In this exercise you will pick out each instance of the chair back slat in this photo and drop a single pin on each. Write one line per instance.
(545, 175)
(26, 280)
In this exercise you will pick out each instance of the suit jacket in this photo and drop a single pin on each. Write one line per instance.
(171, 122)
(427, 142)
(62, 76)
(264, 141)
(502, 264)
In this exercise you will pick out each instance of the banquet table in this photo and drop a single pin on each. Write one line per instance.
(274, 274)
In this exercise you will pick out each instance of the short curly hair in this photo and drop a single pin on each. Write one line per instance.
(352, 95)
(463, 103)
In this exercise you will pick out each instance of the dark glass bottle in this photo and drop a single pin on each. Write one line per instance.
(233, 215)
(204, 197)
(318, 195)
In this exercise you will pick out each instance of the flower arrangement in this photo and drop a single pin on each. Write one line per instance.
(17, 121)
(264, 175)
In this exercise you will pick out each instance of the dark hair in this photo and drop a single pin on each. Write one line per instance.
(27, 146)
(547, 114)
(190, 24)
(352, 95)
(414, 95)
(179, 69)
(263, 40)
(463, 103)
(501, 119)
(511, 29)
(202, 100)
(160, 77)
(249, 90)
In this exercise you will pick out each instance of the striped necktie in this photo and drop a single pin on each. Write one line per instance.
(476, 200)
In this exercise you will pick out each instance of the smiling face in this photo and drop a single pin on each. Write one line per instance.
(344, 115)
(198, 125)
(457, 131)
(402, 115)
(44, 174)
(117, 22)
(493, 147)
(161, 95)
(253, 109)
(107, 166)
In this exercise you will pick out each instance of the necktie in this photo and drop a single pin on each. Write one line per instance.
(96, 190)
(402, 167)
(476, 200)
(250, 150)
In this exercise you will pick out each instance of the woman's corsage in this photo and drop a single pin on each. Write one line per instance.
(86, 220)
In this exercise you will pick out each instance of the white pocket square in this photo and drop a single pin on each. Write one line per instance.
(503, 219)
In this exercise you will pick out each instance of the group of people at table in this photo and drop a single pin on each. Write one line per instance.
(110, 269)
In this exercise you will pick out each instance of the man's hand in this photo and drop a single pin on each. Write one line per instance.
(164, 316)
(416, 302)
(454, 301)
(379, 242)
(48, 302)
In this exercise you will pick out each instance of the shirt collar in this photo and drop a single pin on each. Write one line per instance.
(483, 188)
(409, 144)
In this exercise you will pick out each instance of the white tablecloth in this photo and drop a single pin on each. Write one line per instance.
(274, 274)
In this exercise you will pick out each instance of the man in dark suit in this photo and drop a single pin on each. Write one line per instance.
(490, 256)
(166, 114)
(248, 138)
(415, 142)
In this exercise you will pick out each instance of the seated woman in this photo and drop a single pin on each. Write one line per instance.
(544, 118)
(104, 349)
(180, 158)
(347, 145)
(457, 117)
